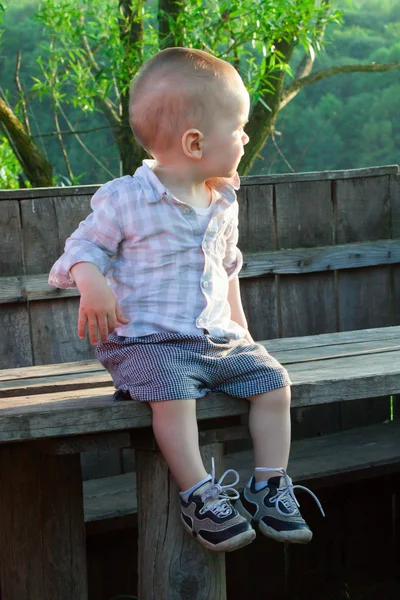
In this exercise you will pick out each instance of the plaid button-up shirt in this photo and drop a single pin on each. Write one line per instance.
(166, 273)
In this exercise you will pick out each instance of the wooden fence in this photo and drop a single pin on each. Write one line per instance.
(321, 255)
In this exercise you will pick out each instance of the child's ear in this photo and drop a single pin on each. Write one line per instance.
(193, 144)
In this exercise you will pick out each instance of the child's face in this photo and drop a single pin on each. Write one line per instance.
(224, 143)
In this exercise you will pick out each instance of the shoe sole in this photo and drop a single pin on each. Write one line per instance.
(296, 536)
(239, 541)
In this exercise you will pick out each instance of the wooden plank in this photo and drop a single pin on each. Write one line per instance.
(363, 212)
(11, 251)
(252, 180)
(31, 287)
(37, 193)
(300, 313)
(304, 218)
(259, 298)
(288, 350)
(83, 443)
(15, 346)
(42, 535)
(382, 335)
(40, 385)
(256, 264)
(54, 332)
(110, 497)
(70, 211)
(394, 187)
(168, 557)
(364, 450)
(256, 219)
(364, 298)
(363, 209)
(52, 370)
(92, 410)
(300, 221)
(40, 237)
(322, 258)
(86, 374)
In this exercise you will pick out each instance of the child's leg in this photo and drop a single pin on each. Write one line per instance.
(269, 423)
(206, 512)
(175, 429)
(273, 505)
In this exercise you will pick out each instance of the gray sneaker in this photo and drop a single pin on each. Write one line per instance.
(209, 516)
(275, 509)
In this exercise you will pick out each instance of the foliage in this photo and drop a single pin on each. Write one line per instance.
(346, 122)
(9, 166)
(249, 28)
(349, 121)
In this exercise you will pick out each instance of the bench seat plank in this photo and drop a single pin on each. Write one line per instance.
(363, 451)
(92, 410)
(295, 353)
(89, 377)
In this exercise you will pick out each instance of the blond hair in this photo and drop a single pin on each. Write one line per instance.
(174, 91)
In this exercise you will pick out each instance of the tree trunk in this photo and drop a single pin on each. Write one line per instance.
(37, 169)
(130, 152)
(262, 119)
(168, 38)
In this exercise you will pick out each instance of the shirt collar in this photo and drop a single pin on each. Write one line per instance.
(225, 186)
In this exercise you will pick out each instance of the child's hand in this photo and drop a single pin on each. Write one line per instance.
(99, 310)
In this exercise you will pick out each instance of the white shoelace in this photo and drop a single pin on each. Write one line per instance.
(286, 494)
(220, 493)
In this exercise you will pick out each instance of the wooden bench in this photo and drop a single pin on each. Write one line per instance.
(56, 412)
(321, 254)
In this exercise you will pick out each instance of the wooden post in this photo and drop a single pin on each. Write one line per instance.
(42, 529)
(172, 565)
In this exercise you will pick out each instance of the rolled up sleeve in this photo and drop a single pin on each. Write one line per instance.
(96, 240)
(233, 260)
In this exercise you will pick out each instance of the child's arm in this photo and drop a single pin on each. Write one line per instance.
(98, 308)
(86, 260)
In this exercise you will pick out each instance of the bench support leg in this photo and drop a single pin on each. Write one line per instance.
(171, 563)
(42, 529)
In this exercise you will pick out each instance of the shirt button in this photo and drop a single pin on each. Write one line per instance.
(205, 284)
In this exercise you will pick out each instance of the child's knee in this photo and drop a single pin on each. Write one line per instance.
(278, 399)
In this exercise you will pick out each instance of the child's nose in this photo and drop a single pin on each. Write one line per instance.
(245, 138)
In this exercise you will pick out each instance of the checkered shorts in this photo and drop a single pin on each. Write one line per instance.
(171, 366)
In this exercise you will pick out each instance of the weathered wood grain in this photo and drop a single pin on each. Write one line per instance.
(11, 250)
(364, 298)
(58, 369)
(40, 235)
(92, 410)
(70, 211)
(15, 342)
(301, 314)
(172, 565)
(364, 450)
(255, 264)
(42, 535)
(288, 351)
(250, 180)
(256, 219)
(363, 209)
(55, 332)
(260, 304)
